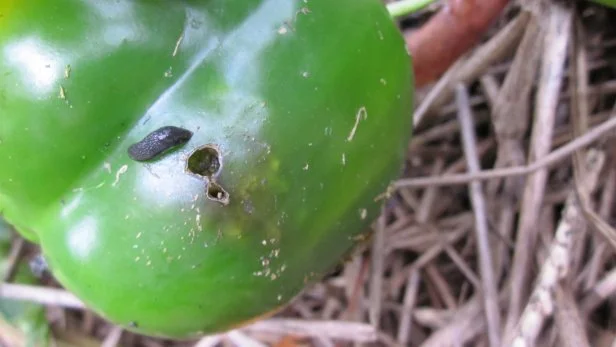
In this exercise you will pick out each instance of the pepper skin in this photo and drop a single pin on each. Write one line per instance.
(307, 103)
(608, 3)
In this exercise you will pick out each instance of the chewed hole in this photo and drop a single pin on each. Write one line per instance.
(205, 161)
(217, 193)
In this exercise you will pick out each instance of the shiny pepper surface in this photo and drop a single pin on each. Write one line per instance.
(298, 113)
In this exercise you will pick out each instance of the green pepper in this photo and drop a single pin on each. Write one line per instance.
(608, 3)
(295, 116)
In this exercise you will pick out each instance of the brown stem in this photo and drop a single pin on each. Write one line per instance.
(449, 34)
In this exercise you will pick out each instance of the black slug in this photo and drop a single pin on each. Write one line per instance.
(157, 142)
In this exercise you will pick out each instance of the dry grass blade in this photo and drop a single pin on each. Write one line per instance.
(10, 335)
(436, 250)
(465, 70)
(336, 330)
(571, 328)
(41, 295)
(209, 341)
(510, 118)
(445, 82)
(510, 113)
(410, 299)
(602, 227)
(546, 162)
(552, 71)
(580, 126)
(467, 322)
(463, 266)
(601, 249)
(13, 258)
(376, 280)
(557, 265)
(490, 89)
(242, 340)
(600, 292)
(489, 287)
(113, 338)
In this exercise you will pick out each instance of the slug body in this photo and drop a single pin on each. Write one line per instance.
(158, 142)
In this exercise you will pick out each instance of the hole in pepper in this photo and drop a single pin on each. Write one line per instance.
(205, 161)
(217, 193)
